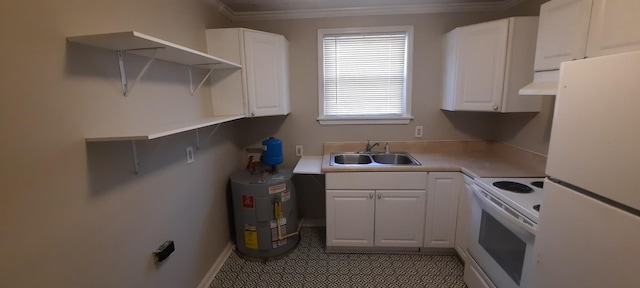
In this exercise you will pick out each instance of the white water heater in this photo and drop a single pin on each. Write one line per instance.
(265, 213)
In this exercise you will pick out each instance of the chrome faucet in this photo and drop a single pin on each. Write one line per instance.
(369, 146)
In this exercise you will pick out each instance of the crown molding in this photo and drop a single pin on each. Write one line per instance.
(223, 9)
(364, 11)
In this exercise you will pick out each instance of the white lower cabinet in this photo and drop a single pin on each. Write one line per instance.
(399, 219)
(375, 209)
(464, 218)
(350, 216)
(442, 209)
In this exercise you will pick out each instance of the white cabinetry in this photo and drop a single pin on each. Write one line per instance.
(464, 217)
(442, 209)
(381, 209)
(614, 27)
(261, 88)
(575, 29)
(562, 32)
(350, 216)
(399, 218)
(485, 64)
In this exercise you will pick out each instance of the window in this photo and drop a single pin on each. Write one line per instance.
(365, 75)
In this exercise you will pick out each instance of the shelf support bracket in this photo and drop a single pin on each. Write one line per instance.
(197, 139)
(126, 88)
(136, 162)
(193, 91)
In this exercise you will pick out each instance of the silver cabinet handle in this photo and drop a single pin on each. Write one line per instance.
(379, 196)
(495, 107)
(370, 195)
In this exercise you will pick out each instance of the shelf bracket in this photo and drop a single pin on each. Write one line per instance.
(193, 91)
(126, 88)
(136, 162)
(197, 139)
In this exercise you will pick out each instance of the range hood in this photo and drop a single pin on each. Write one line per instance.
(544, 83)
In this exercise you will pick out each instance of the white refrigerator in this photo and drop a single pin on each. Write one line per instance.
(589, 229)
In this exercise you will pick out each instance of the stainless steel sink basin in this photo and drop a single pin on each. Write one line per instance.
(351, 159)
(393, 159)
(373, 159)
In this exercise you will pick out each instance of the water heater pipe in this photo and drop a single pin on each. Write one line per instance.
(278, 215)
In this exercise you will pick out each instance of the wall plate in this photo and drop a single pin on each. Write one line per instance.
(190, 156)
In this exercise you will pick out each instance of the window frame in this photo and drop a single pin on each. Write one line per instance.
(406, 117)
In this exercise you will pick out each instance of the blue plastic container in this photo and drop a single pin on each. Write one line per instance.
(272, 151)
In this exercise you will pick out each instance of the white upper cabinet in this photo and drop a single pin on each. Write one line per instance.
(485, 64)
(615, 27)
(576, 29)
(262, 87)
(562, 32)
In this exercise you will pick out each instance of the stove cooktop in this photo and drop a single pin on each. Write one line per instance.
(520, 201)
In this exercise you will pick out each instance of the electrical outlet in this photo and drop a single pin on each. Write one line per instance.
(189, 154)
(418, 132)
(298, 150)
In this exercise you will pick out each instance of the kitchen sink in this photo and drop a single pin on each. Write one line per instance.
(393, 159)
(373, 159)
(346, 159)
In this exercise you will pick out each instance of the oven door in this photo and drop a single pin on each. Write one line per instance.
(500, 242)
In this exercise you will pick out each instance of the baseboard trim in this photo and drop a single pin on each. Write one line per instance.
(215, 268)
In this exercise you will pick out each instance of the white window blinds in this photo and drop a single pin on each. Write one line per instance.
(364, 74)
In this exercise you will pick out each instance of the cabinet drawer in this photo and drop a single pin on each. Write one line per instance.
(377, 180)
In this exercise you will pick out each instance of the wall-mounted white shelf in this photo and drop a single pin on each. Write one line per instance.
(153, 133)
(140, 44)
(127, 134)
(132, 40)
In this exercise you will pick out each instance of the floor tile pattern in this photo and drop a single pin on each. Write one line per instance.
(309, 266)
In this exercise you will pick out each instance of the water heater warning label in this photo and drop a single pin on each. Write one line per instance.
(286, 195)
(247, 201)
(277, 188)
(250, 237)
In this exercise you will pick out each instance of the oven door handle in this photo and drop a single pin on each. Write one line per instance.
(499, 210)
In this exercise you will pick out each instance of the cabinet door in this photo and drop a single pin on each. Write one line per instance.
(442, 209)
(350, 216)
(266, 67)
(482, 50)
(399, 220)
(562, 32)
(464, 217)
(614, 28)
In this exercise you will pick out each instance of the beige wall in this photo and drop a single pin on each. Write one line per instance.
(73, 214)
(530, 131)
(301, 127)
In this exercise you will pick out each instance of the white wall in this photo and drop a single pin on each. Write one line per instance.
(73, 214)
(530, 131)
(526, 130)
(301, 127)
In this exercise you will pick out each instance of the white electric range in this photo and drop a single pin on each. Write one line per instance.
(503, 226)
(521, 194)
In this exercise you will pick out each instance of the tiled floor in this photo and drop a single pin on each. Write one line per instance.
(309, 266)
